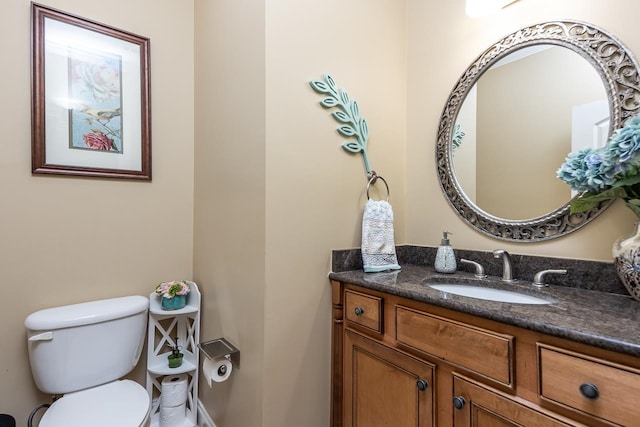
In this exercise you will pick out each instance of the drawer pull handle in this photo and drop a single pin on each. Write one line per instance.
(459, 402)
(422, 385)
(359, 311)
(590, 391)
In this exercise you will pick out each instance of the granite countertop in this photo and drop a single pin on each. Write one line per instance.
(606, 320)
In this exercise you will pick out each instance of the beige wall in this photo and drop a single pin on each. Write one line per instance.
(275, 192)
(229, 239)
(526, 137)
(67, 240)
(314, 188)
(442, 43)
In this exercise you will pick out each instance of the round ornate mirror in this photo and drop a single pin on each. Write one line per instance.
(514, 115)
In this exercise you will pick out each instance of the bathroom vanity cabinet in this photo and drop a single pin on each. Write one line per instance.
(401, 362)
(377, 371)
(165, 326)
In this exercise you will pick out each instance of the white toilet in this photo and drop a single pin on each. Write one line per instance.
(81, 351)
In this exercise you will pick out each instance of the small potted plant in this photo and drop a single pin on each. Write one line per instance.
(173, 294)
(175, 357)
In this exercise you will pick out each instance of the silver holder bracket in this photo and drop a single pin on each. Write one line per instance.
(220, 347)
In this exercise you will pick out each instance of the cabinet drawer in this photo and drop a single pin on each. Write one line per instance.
(478, 405)
(485, 352)
(364, 310)
(567, 378)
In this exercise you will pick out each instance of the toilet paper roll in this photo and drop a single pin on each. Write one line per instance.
(217, 370)
(174, 390)
(173, 416)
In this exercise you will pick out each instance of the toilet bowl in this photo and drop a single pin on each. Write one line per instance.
(82, 352)
(122, 403)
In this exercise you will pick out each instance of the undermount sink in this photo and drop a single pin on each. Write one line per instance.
(490, 294)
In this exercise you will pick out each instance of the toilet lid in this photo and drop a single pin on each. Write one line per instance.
(119, 403)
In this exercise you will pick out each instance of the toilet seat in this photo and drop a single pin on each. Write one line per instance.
(120, 403)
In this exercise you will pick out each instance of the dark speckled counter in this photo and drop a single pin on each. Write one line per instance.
(602, 319)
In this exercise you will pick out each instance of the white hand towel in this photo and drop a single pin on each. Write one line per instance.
(378, 248)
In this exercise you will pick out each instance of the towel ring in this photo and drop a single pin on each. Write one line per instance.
(372, 180)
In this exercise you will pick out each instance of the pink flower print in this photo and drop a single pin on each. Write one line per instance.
(97, 140)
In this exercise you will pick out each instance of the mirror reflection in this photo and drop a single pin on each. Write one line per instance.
(514, 129)
(518, 122)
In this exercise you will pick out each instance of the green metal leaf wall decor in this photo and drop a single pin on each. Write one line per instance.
(348, 115)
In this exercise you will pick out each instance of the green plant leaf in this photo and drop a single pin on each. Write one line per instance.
(341, 116)
(612, 193)
(626, 182)
(352, 146)
(582, 205)
(346, 130)
(634, 205)
(591, 200)
(329, 102)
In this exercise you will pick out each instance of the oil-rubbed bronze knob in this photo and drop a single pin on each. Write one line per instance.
(459, 402)
(590, 391)
(359, 311)
(422, 385)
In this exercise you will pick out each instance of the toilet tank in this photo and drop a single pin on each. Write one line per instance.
(84, 345)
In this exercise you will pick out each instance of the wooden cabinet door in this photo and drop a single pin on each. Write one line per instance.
(477, 406)
(384, 387)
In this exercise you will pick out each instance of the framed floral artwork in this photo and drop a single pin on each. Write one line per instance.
(90, 98)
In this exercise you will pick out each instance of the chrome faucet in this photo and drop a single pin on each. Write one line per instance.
(507, 266)
(478, 268)
(538, 279)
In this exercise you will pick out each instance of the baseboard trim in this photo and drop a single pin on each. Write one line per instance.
(204, 420)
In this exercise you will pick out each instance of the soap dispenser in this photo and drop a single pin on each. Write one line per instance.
(445, 258)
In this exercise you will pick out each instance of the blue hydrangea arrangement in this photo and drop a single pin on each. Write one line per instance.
(606, 173)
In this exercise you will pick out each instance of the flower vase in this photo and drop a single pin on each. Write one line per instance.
(626, 258)
(175, 303)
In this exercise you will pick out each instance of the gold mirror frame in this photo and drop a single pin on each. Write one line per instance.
(619, 72)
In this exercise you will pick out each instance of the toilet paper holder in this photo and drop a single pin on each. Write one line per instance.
(220, 347)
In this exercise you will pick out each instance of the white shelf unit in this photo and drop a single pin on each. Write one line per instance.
(164, 327)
